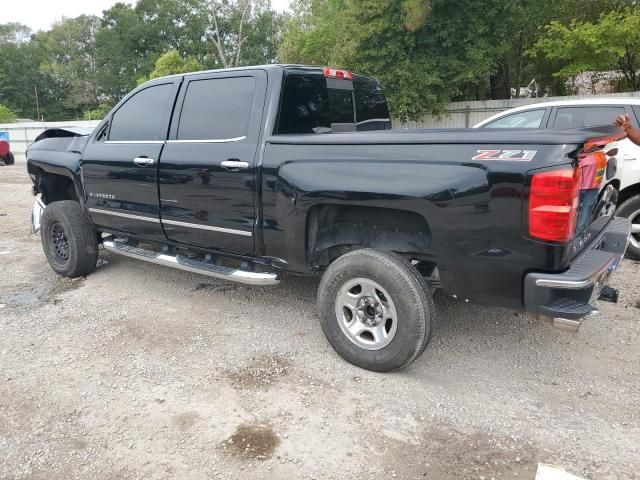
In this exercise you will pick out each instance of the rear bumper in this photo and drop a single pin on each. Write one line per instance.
(570, 295)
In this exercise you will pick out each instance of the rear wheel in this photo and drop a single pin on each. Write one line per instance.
(9, 159)
(631, 210)
(375, 310)
(68, 239)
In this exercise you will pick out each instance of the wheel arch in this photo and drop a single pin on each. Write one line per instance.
(335, 229)
(55, 182)
(628, 192)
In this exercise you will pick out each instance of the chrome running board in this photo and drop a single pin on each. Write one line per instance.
(181, 262)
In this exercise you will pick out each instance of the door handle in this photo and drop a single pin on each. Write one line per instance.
(234, 164)
(143, 161)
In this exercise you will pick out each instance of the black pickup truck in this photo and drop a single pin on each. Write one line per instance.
(244, 174)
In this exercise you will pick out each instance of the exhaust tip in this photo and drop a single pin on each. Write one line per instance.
(564, 324)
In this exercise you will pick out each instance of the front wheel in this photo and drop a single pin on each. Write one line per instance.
(68, 239)
(9, 159)
(375, 310)
(631, 210)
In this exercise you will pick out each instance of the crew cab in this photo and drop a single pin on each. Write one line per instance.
(250, 173)
(624, 189)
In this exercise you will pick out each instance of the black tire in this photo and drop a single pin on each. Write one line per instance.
(68, 239)
(409, 295)
(631, 209)
(9, 159)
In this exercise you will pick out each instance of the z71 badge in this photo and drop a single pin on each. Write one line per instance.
(510, 155)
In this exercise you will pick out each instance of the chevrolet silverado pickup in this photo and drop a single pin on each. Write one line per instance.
(246, 174)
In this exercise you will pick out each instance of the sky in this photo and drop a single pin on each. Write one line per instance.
(41, 14)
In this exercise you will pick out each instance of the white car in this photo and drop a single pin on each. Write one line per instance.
(587, 113)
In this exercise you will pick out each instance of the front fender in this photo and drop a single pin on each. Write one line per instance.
(55, 157)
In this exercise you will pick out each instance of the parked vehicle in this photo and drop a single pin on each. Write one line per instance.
(625, 191)
(6, 156)
(242, 174)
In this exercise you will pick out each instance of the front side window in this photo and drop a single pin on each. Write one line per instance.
(579, 117)
(141, 117)
(528, 119)
(217, 109)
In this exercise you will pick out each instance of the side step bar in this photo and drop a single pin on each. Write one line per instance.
(183, 263)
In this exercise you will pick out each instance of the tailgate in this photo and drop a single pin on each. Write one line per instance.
(598, 192)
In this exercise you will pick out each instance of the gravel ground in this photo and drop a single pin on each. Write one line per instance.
(143, 372)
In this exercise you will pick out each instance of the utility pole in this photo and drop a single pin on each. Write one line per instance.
(35, 88)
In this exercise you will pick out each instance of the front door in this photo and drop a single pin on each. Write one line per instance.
(120, 162)
(207, 172)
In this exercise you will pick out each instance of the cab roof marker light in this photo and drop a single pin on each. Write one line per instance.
(338, 74)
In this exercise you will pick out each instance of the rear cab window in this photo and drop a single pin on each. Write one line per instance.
(312, 103)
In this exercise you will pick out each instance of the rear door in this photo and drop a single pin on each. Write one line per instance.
(207, 174)
(119, 164)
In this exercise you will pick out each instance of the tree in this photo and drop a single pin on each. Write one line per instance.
(6, 114)
(423, 54)
(243, 32)
(171, 63)
(613, 43)
(70, 48)
(15, 33)
(120, 52)
(97, 113)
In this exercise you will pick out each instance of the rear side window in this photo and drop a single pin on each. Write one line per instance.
(312, 104)
(372, 110)
(528, 119)
(217, 109)
(141, 117)
(304, 107)
(578, 117)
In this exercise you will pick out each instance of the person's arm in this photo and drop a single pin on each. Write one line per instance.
(624, 122)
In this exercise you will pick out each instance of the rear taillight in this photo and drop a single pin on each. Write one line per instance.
(553, 204)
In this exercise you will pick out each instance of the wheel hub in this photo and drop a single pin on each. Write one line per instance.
(370, 311)
(366, 314)
(60, 242)
(635, 229)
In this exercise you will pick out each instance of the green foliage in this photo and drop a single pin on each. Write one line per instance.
(171, 63)
(6, 114)
(612, 43)
(82, 63)
(97, 113)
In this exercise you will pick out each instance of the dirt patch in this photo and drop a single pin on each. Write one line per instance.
(263, 371)
(186, 421)
(470, 455)
(257, 442)
(27, 295)
(445, 453)
(218, 288)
